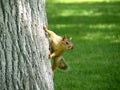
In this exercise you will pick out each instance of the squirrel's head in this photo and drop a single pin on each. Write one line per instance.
(66, 43)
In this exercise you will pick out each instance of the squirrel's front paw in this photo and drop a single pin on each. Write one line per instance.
(50, 56)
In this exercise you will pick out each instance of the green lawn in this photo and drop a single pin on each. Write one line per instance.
(94, 63)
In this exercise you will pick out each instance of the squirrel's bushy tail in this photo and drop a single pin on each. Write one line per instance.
(62, 65)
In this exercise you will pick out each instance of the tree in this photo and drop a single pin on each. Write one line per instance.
(24, 48)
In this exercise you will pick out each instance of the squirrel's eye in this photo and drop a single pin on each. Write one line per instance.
(67, 43)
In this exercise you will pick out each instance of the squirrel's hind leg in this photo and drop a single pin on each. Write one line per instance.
(51, 33)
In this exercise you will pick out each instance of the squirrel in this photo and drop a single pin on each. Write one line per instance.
(57, 46)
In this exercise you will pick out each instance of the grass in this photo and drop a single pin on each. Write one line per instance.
(95, 27)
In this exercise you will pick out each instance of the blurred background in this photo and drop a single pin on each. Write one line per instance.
(94, 63)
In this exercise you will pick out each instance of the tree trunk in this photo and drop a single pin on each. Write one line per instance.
(24, 48)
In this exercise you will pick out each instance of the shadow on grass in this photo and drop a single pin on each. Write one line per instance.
(95, 28)
(85, 18)
(83, 13)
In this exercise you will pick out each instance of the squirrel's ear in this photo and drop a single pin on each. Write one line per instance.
(63, 38)
(70, 38)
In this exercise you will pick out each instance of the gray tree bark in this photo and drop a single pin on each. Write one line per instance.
(24, 48)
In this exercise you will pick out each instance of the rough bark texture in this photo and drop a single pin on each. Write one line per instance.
(24, 48)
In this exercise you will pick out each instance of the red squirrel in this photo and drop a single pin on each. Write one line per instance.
(58, 44)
